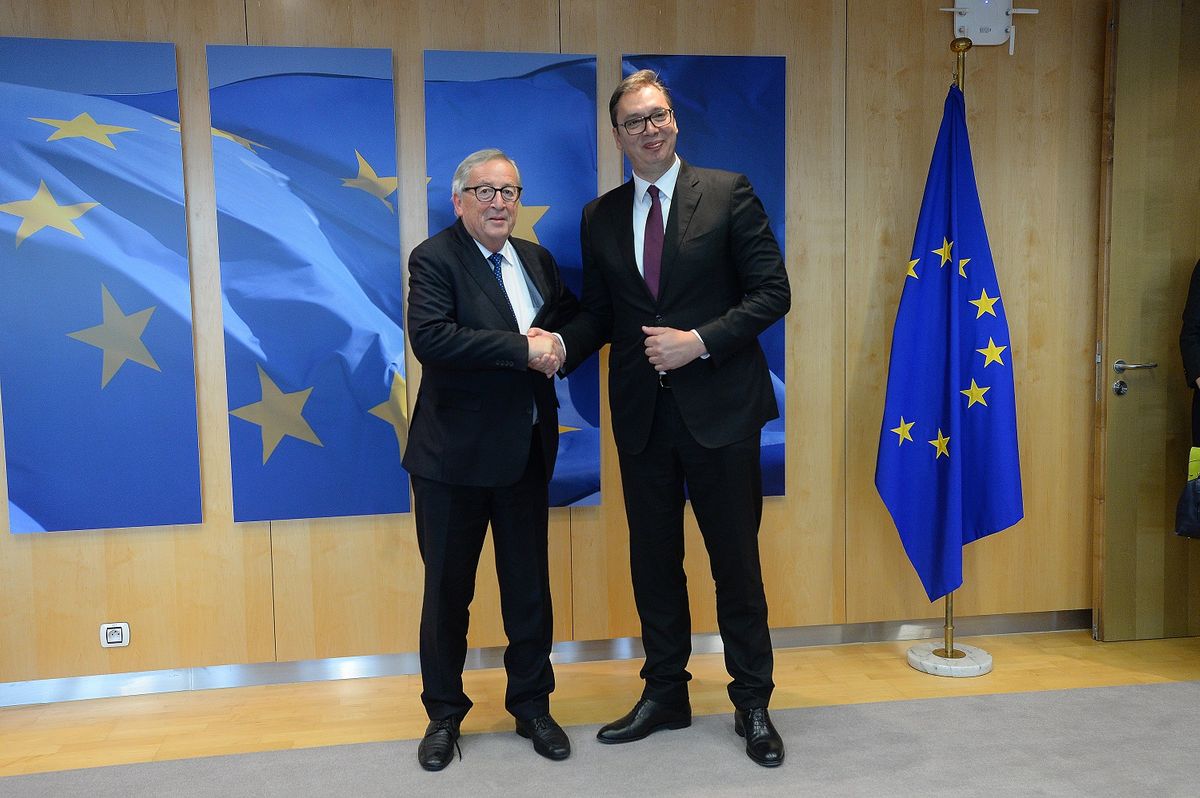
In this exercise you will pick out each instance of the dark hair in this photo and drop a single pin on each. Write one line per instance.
(636, 81)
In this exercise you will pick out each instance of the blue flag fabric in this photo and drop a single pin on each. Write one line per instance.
(732, 115)
(539, 108)
(97, 373)
(304, 157)
(948, 469)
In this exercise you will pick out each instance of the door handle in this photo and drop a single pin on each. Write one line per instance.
(1121, 366)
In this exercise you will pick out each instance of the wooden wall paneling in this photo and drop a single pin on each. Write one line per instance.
(1039, 115)
(193, 595)
(865, 86)
(802, 533)
(896, 81)
(1035, 121)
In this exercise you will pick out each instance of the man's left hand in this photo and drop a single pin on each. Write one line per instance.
(669, 349)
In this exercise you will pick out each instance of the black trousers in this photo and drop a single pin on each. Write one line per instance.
(451, 523)
(725, 488)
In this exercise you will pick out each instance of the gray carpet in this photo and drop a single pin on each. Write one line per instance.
(1118, 741)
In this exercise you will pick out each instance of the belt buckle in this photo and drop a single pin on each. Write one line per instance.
(663, 381)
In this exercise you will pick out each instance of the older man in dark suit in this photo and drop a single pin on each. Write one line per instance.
(681, 273)
(482, 445)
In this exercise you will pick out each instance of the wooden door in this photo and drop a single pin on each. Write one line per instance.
(1147, 579)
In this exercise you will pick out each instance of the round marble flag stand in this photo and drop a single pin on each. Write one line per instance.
(949, 659)
(970, 661)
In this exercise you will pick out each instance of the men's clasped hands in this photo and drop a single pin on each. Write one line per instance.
(546, 354)
(666, 349)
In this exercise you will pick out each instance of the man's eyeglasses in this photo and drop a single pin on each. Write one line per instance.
(488, 193)
(659, 118)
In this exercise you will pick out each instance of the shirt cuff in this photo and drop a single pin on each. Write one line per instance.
(562, 344)
(705, 355)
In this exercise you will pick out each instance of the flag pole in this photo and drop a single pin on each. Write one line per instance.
(948, 651)
(959, 47)
(924, 657)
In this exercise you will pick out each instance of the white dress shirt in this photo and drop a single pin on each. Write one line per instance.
(516, 284)
(641, 207)
(641, 213)
(521, 293)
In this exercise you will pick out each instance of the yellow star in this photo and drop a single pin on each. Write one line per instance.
(563, 429)
(941, 444)
(902, 431)
(119, 337)
(278, 414)
(962, 272)
(985, 304)
(236, 139)
(42, 211)
(944, 252)
(527, 217)
(83, 127)
(991, 353)
(395, 410)
(373, 184)
(912, 271)
(975, 395)
(221, 134)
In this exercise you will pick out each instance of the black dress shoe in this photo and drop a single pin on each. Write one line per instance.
(549, 739)
(763, 743)
(437, 748)
(646, 717)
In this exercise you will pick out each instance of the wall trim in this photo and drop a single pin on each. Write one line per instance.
(213, 677)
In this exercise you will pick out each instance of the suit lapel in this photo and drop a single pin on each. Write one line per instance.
(622, 222)
(478, 268)
(683, 206)
(536, 270)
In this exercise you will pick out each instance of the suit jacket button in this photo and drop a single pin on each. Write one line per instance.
(658, 318)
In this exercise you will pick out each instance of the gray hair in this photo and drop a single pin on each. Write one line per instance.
(635, 82)
(475, 159)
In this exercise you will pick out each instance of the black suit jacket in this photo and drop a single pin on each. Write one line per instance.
(474, 410)
(722, 275)
(1189, 347)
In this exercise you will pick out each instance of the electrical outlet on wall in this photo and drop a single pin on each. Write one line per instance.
(114, 635)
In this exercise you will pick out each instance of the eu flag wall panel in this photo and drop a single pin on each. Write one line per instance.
(731, 112)
(304, 158)
(540, 109)
(97, 372)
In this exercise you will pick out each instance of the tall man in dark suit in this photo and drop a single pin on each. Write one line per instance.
(481, 447)
(681, 273)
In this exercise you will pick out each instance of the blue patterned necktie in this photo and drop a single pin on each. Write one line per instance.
(496, 259)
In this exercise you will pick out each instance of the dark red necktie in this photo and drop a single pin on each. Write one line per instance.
(652, 245)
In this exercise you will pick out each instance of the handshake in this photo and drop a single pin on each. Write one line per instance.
(546, 354)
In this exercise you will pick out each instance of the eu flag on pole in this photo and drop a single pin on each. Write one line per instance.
(948, 469)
